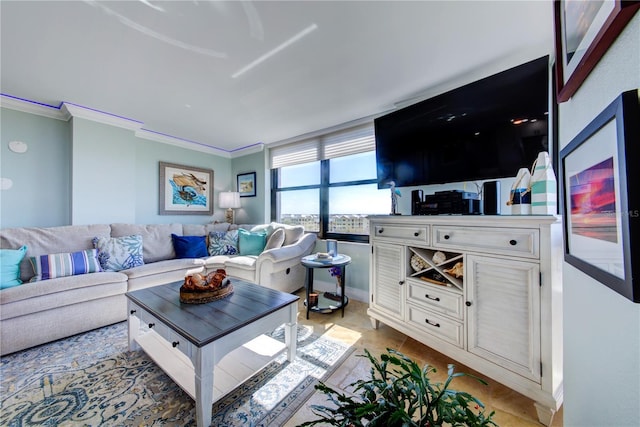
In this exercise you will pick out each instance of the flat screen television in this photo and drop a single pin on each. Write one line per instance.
(484, 130)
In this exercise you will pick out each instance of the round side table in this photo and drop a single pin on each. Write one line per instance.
(326, 305)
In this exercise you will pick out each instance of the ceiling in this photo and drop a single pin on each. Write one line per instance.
(232, 75)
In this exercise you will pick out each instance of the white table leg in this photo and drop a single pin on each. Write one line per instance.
(291, 332)
(134, 326)
(203, 366)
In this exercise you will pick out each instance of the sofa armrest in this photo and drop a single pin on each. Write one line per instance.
(304, 246)
(281, 268)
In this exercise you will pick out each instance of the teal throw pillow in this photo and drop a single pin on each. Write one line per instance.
(119, 253)
(189, 246)
(223, 242)
(10, 260)
(251, 243)
(65, 264)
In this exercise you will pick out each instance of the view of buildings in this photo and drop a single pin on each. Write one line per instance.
(351, 224)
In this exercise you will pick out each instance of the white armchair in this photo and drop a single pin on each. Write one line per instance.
(278, 268)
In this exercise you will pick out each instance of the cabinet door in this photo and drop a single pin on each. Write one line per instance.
(503, 312)
(387, 289)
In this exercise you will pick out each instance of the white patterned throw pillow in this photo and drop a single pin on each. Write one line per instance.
(223, 242)
(119, 253)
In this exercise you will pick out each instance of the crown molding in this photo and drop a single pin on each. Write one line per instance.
(67, 110)
(178, 142)
(31, 107)
(81, 112)
(255, 148)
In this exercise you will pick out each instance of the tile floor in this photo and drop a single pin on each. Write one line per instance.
(512, 409)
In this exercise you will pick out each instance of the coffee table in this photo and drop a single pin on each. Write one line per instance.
(189, 340)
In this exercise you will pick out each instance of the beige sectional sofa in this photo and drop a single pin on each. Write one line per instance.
(37, 312)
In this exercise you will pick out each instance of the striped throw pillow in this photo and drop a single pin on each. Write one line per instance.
(65, 264)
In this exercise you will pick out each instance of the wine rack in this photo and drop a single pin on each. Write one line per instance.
(423, 266)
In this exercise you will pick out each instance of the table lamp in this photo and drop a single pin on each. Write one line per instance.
(229, 200)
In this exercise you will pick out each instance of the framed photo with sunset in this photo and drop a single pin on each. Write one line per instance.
(600, 195)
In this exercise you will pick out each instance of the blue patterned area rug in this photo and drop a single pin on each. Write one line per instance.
(92, 379)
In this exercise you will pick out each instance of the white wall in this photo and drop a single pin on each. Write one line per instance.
(81, 171)
(254, 210)
(357, 273)
(103, 172)
(41, 191)
(601, 328)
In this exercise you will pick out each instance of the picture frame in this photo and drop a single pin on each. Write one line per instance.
(185, 190)
(584, 30)
(601, 199)
(246, 184)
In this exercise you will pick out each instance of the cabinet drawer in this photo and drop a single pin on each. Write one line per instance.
(403, 233)
(149, 322)
(507, 241)
(437, 325)
(180, 343)
(436, 299)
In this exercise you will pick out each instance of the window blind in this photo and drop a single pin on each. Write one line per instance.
(359, 139)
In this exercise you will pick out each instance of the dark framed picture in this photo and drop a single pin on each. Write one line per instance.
(601, 197)
(185, 190)
(247, 184)
(584, 30)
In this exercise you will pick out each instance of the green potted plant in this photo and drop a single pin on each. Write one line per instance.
(400, 394)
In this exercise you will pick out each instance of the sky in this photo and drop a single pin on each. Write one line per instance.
(363, 199)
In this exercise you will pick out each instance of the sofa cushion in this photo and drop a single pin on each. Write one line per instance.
(182, 264)
(35, 297)
(223, 242)
(10, 260)
(215, 262)
(119, 253)
(204, 229)
(242, 267)
(190, 246)
(42, 241)
(276, 240)
(251, 242)
(65, 264)
(162, 272)
(156, 238)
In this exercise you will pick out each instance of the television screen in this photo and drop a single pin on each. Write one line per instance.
(487, 129)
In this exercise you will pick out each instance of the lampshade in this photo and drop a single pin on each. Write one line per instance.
(229, 199)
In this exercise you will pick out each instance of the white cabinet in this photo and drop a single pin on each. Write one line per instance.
(387, 296)
(486, 291)
(503, 299)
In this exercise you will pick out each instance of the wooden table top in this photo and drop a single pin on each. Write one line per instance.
(202, 324)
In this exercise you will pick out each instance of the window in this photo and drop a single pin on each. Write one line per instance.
(328, 184)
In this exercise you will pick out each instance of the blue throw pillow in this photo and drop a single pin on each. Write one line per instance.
(10, 260)
(251, 243)
(189, 246)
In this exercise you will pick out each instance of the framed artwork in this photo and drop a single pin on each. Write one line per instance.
(185, 190)
(247, 184)
(584, 30)
(601, 197)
